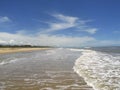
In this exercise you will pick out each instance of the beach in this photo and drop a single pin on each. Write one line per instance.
(12, 50)
(50, 69)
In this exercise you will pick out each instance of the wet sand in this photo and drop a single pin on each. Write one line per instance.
(41, 70)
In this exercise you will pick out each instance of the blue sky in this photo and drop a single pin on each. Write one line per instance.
(60, 22)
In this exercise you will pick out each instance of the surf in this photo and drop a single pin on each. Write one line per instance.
(100, 70)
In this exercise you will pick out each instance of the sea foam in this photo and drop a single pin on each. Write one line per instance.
(100, 70)
(8, 61)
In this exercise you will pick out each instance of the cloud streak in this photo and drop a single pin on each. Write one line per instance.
(64, 22)
(90, 30)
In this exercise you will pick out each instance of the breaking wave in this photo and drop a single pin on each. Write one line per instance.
(100, 70)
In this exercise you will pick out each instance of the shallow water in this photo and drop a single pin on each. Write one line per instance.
(41, 70)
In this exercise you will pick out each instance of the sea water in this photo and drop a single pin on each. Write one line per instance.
(52, 70)
(101, 70)
(41, 70)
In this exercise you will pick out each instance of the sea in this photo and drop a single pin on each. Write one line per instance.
(93, 68)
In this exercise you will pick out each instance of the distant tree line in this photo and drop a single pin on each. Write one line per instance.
(23, 46)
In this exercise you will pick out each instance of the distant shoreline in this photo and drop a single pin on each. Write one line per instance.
(19, 49)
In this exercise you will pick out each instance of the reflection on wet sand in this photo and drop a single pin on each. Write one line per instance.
(43, 70)
(50, 80)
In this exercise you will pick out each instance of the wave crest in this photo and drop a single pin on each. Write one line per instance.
(100, 70)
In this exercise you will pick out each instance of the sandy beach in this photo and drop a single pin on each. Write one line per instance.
(12, 50)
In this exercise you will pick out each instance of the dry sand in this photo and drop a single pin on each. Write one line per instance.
(12, 50)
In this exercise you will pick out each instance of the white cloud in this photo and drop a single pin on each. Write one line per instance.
(17, 38)
(11, 42)
(44, 39)
(22, 32)
(91, 30)
(2, 42)
(53, 40)
(65, 40)
(64, 18)
(4, 19)
(65, 22)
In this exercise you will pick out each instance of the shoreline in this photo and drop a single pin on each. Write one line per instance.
(52, 69)
(13, 50)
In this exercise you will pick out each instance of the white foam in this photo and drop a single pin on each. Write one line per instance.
(7, 62)
(47, 88)
(50, 52)
(101, 71)
(77, 49)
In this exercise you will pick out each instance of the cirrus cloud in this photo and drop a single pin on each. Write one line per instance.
(64, 22)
